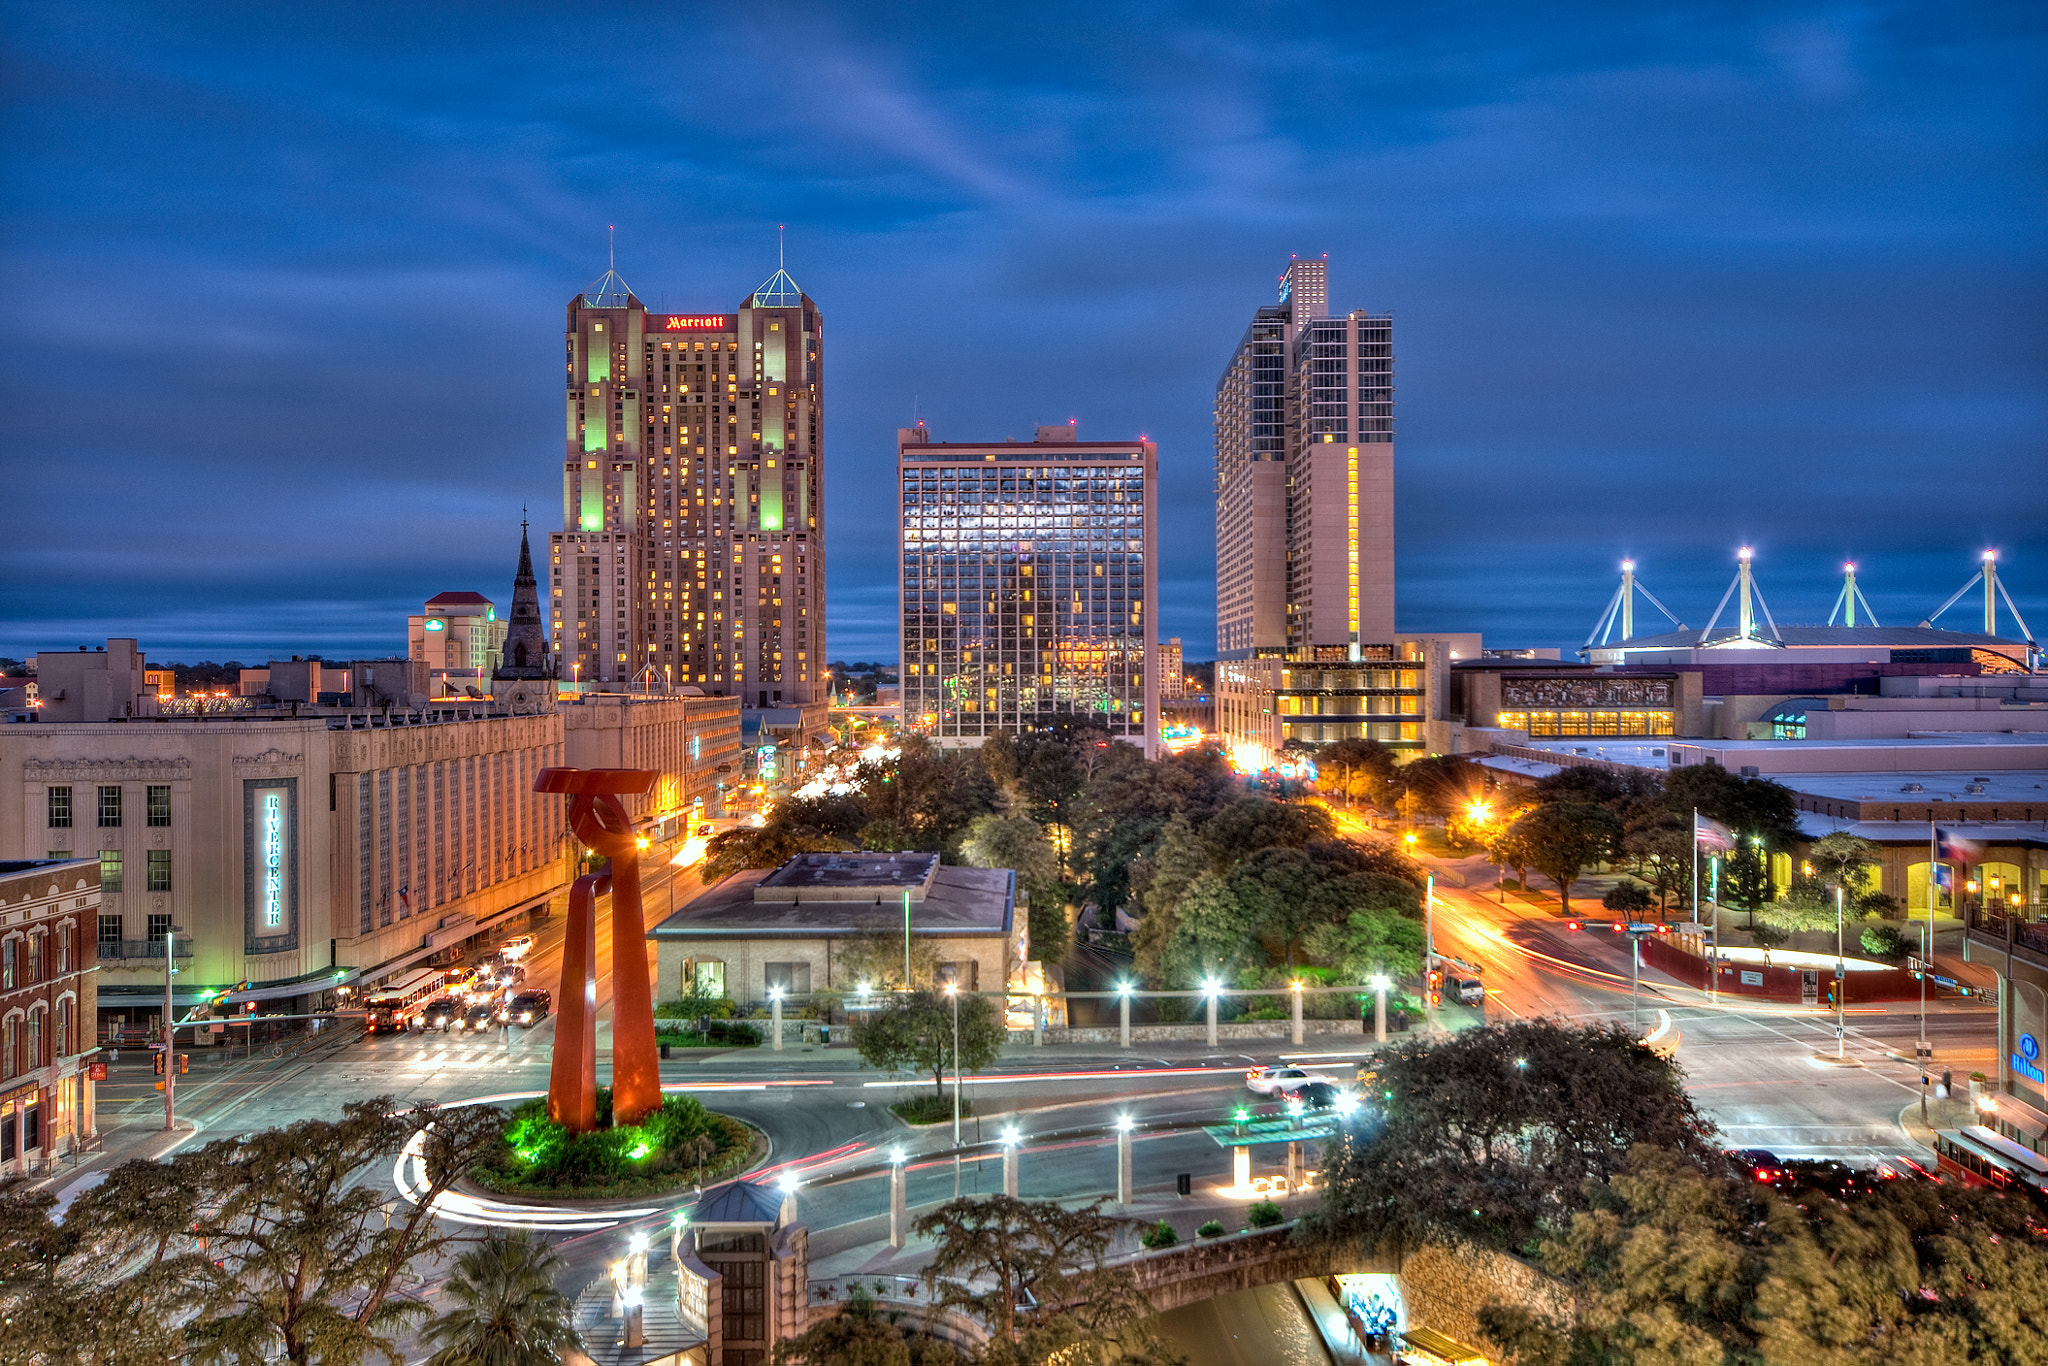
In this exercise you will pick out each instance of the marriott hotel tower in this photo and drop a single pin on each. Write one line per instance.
(692, 549)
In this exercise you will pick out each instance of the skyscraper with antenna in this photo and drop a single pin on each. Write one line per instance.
(692, 543)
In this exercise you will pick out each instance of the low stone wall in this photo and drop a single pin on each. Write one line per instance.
(1197, 1032)
(1445, 1287)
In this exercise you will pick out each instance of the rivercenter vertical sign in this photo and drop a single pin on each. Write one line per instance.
(270, 859)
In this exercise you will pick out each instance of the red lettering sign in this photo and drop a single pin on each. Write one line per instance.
(696, 322)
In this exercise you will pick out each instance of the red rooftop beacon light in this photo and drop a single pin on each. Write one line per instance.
(598, 818)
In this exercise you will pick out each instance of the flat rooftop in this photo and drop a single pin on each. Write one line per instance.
(2025, 786)
(956, 902)
(849, 877)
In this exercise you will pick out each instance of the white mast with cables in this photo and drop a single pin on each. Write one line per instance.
(1849, 598)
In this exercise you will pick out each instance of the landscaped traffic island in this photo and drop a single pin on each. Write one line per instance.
(680, 1145)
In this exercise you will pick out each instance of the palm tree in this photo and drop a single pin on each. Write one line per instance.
(508, 1312)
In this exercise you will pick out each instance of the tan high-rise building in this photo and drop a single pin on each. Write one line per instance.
(1305, 479)
(692, 548)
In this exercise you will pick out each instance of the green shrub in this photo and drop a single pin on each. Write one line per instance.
(1885, 941)
(1159, 1235)
(1264, 1214)
(1212, 1229)
(680, 1141)
(692, 1005)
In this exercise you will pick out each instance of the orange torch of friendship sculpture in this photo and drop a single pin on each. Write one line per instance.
(598, 818)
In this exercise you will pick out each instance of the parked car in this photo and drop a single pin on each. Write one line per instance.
(439, 1013)
(479, 1017)
(1277, 1081)
(528, 1008)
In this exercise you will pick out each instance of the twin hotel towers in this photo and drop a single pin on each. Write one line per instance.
(693, 543)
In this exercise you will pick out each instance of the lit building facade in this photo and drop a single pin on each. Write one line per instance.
(1172, 670)
(457, 634)
(1029, 584)
(48, 998)
(1390, 693)
(692, 548)
(1305, 478)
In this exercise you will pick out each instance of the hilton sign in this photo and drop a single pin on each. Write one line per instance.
(696, 322)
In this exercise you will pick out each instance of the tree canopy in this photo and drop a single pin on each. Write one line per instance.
(242, 1250)
(1489, 1135)
(1670, 1263)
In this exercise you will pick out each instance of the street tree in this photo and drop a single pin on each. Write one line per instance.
(1161, 880)
(1213, 935)
(1250, 824)
(1019, 843)
(1031, 1270)
(1368, 943)
(1355, 768)
(1663, 854)
(267, 1247)
(1441, 784)
(1511, 847)
(914, 1030)
(1844, 860)
(1564, 837)
(507, 1311)
(1489, 1135)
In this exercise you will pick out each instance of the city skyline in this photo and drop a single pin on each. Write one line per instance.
(1652, 280)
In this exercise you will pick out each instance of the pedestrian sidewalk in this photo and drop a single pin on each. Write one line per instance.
(117, 1144)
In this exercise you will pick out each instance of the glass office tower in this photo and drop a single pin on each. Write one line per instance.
(1029, 584)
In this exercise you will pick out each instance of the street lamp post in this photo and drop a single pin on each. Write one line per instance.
(1379, 986)
(953, 990)
(775, 1025)
(1297, 1014)
(1210, 986)
(1123, 994)
(1841, 981)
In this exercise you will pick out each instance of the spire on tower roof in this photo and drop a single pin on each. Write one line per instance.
(609, 291)
(779, 291)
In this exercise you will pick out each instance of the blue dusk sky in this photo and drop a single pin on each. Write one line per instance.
(289, 283)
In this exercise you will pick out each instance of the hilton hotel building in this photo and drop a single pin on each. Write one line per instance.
(692, 542)
(1306, 646)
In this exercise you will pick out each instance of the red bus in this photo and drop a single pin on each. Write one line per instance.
(393, 1005)
(1978, 1156)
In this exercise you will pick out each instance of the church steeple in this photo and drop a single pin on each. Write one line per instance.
(526, 652)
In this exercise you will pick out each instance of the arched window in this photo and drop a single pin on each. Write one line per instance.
(33, 1052)
(519, 655)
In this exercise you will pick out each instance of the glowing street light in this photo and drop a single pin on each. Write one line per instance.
(1210, 988)
(1123, 1006)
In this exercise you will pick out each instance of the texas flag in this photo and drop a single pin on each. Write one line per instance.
(1954, 848)
(1711, 835)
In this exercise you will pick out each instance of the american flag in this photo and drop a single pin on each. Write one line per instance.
(1711, 834)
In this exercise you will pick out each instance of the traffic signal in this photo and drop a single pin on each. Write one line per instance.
(184, 1063)
(159, 1059)
(1436, 986)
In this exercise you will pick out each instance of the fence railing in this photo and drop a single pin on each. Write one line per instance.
(2026, 934)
